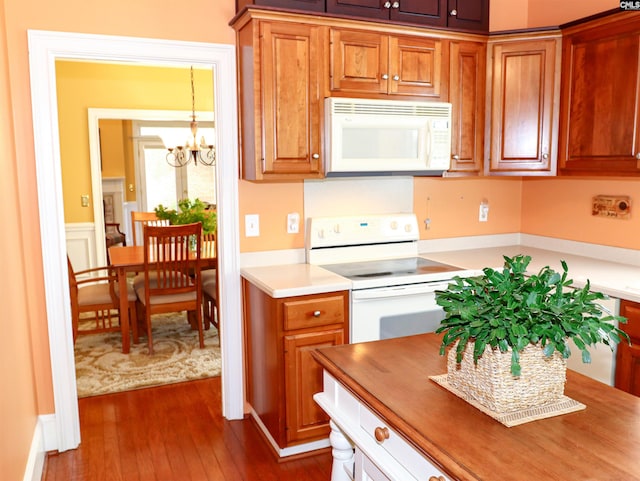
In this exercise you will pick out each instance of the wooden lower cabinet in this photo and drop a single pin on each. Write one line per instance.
(628, 357)
(281, 375)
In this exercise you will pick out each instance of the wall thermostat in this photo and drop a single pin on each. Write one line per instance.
(613, 206)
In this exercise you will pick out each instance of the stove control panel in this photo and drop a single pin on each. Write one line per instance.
(361, 230)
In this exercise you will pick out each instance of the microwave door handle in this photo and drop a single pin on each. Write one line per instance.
(429, 142)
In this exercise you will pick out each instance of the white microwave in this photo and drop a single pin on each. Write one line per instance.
(367, 136)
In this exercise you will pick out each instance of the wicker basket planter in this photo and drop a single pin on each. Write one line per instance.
(491, 383)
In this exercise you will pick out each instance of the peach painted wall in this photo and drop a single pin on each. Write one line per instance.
(272, 202)
(452, 205)
(561, 208)
(543, 13)
(28, 373)
(18, 403)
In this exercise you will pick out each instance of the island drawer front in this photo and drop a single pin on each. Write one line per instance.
(397, 447)
(305, 313)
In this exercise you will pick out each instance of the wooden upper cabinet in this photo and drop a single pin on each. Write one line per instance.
(281, 85)
(467, 72)
(523, 106)
(366, 62)
(599, 133)
(313, 5)
(472, 15)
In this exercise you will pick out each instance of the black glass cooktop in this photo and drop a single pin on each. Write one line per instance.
(388, 268)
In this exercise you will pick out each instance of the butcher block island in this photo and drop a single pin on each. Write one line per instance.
(390, 421)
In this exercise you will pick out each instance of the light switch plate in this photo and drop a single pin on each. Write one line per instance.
(252, 225)
(293, 223)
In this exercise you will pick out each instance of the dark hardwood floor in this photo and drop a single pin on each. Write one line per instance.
(173, 433)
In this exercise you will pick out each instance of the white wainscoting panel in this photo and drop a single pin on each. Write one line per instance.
(81, 245)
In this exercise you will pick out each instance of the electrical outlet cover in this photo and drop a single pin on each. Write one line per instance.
(293, 223)
(252, 225)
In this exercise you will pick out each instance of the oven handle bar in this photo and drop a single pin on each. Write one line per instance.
(398, 291)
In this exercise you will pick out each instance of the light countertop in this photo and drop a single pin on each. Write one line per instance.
(294, 280)
(612, 278)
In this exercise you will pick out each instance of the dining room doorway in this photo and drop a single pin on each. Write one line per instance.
(44, 48)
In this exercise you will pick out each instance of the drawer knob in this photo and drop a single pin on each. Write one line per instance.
(381, 433)
(316, 313)
(453, 12)
(638, 156)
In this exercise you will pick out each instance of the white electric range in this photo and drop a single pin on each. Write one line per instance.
(392, 287)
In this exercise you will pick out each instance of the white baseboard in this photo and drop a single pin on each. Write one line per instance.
(44, 439)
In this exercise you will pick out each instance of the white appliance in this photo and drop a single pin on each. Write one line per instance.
(366, 136)
(392, 288)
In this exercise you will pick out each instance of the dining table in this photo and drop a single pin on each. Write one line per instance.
(125, 259)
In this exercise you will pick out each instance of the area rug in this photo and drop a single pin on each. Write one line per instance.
(102, 368)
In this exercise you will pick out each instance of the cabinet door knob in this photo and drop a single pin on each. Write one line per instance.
(381, 433)
(638, 156)
(316, 156)
(385, 76)
(316, 313)
(545, 156)
(395, 5)
(396, 77)
(453, 12)
(387, 4)
(455, 157)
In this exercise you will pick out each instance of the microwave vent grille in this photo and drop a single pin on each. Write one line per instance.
(434, 110)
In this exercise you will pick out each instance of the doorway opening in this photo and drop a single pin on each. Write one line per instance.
(44, 48)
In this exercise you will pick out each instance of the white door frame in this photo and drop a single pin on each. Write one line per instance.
(44, 49)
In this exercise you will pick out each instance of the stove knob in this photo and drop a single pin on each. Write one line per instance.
(321, 233)
(408, 228)
(336, 228)
(394, 225)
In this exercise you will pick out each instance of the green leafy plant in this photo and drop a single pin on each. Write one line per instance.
(509, 309)
(189, 212)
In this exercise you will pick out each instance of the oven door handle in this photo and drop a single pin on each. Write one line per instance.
(398, 291)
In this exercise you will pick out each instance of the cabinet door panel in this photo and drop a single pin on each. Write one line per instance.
(416, 64)
(469, 14)
(603, 114)
(426, 12)
(628, 357)
(523, 107)
(291, 100)
(303, 378)
(466, 94)
(360, 8)
(359, 61)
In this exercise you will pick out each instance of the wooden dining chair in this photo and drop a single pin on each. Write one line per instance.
(209, 285)
(166, 284)
(140, 219)
(95, 290)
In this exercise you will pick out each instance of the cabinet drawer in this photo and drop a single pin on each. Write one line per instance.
(396, 446)
(306, 313)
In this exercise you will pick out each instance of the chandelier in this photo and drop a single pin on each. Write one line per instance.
(192, 150)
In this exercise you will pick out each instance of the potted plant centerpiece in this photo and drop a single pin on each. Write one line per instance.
(189, 212)
(508, 333)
